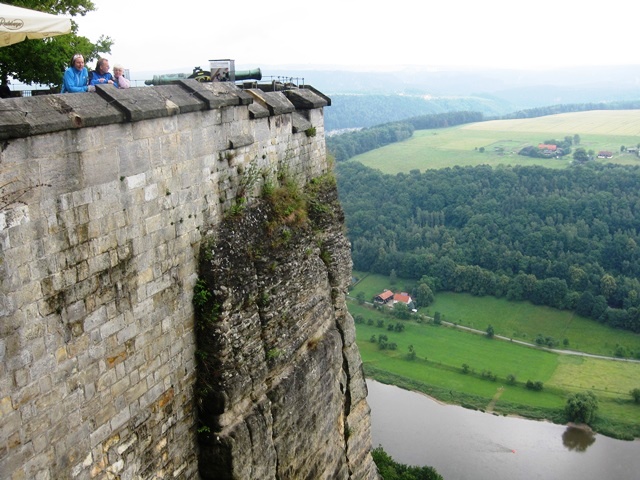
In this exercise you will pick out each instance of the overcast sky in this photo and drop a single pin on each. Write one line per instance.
(156, 36)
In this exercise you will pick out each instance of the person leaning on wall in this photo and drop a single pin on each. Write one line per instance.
(5, 91)
(101, 75)
(119, 78)
(76, 77)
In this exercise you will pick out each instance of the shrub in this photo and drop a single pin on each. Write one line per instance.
(535, 386)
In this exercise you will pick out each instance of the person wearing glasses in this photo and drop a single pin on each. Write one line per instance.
(76, 77)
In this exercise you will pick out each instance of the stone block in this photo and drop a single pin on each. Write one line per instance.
(299, 123)
(212, 95)
(276, 102)
(21, 117)
(139, 103)
(305, 99)
(99, 166)
(134, 158)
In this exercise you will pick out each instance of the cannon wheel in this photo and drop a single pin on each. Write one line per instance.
(201, 76)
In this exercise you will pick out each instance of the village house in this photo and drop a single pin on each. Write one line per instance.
(387, 297)
(384, 297)
(550, 150)
(402, 298)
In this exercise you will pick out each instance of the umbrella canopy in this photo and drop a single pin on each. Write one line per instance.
(18, 24)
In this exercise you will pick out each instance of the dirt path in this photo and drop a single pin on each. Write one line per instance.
(493, 401)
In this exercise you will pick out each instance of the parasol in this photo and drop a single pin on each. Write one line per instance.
(18, 24)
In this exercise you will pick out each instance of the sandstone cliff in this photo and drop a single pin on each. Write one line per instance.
(281, 392)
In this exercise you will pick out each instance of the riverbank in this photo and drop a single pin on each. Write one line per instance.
(463, 444)
(460, 365)
(616, 430)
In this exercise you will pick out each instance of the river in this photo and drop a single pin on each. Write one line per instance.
(464, 444)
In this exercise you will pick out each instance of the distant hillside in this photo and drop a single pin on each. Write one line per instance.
(361, 111)
(401, 94)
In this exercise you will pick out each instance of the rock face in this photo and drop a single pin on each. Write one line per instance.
(280, 391)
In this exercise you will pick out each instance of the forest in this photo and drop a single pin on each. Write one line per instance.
(563, 238)
(369, 110)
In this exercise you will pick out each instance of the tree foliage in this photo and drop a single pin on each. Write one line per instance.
(44, 61)
(582, 407)
(568, 238)
(389, 469)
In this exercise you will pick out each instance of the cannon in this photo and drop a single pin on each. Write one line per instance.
(205, 76)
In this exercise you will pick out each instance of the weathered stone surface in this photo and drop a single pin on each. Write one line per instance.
(305, 99)
(258, 111)
(279, 358)
(300, 123)
(107, 197)
(276, 102)
(216, 95)
(20, 117)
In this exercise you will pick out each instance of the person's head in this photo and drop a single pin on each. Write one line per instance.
(118, 70)
(77, 61)
(102, 65)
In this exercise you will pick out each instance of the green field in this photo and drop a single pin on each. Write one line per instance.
(502, 139)
(524, 321)
(441, 351)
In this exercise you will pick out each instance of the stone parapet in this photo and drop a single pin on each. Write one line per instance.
(23, 117)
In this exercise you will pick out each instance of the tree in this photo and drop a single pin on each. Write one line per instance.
(424, 295)
(360, 297)
(412, 354)
(490, 331)
(401, 310)
(580, 155)
(581, 407)
(635, 393)
(389, 469)
(44, 61)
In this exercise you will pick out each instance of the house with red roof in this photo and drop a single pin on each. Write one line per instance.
(383, 297)
(402, 298)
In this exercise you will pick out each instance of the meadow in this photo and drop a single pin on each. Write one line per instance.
(497, 370)
(497, 142)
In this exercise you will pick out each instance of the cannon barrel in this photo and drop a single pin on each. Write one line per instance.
(166, 78)
(201, 76)
(254, 74)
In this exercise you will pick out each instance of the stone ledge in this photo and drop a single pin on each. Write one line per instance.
(276, 102)
(299, 123)
(240, 141)
(256, 110)
(23, 117)
(216, 94)
(305, 99)
(319, 93)
(142, 103)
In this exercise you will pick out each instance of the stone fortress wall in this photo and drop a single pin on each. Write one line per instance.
(104, 200)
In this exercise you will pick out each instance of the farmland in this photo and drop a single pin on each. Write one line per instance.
(441, 351)
(497, 142)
